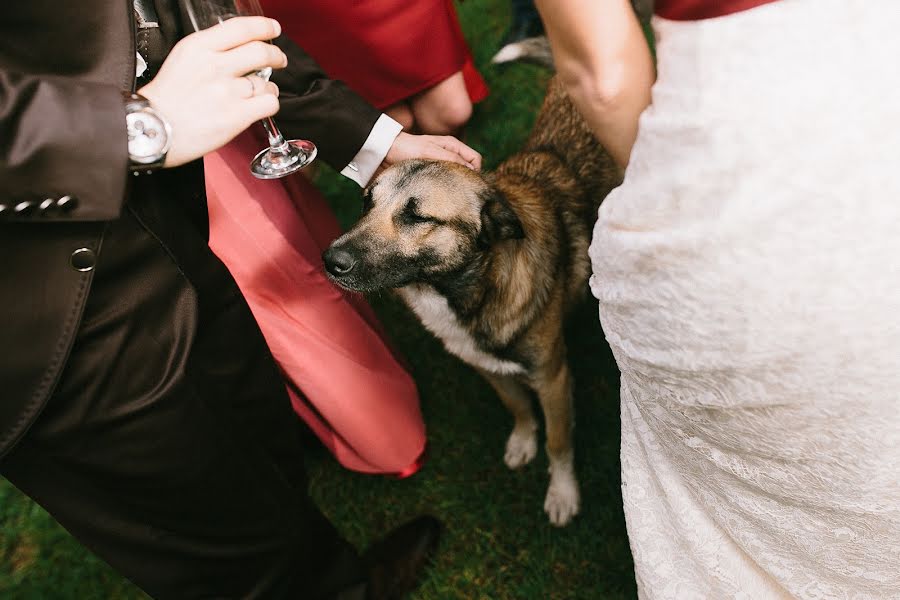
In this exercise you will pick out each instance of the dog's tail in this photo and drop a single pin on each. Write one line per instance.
(534, 50)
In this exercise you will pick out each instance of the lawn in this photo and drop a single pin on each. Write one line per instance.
(498, 543)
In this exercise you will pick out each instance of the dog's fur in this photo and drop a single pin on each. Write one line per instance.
(491, 264)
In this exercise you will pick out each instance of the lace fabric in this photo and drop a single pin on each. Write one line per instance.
(749, 287)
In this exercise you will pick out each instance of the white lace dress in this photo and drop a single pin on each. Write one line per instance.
(748, 273)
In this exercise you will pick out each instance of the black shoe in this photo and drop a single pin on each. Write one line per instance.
(395, 562)
(523, 28)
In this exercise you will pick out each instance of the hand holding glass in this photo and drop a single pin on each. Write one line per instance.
(282, 157)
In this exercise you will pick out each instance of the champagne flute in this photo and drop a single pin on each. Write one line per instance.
(282, 157)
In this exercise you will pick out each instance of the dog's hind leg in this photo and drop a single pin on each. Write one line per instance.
(521, 447)
(554, 388)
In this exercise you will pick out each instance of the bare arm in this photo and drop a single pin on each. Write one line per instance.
(604, 62)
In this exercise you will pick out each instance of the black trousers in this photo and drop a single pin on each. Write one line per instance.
(169, 447)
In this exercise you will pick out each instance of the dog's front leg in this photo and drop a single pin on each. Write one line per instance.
(521, 446)
(553, 384)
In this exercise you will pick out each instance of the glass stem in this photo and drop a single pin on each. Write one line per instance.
(276, 140)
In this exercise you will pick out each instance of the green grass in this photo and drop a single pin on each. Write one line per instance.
(498, 543)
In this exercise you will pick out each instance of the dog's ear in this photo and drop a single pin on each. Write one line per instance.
(498, 220)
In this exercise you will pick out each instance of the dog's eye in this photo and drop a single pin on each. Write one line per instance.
(411, 215)
(367, 201)
(417, 218)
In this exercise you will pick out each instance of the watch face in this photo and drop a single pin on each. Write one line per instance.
(147, 137)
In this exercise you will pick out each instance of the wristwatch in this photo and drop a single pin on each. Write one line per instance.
(149, 135)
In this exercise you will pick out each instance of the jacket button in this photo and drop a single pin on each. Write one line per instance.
(47, 204)
(83, 259)
(24, 207)
(67, 203)
(4, 209)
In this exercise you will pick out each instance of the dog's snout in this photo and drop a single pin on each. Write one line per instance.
(339, 261)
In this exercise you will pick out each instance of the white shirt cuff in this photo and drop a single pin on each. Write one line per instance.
(370, 156)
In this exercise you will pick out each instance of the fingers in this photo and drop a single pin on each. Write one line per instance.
(260, 107)
(239, 30)
(433, 147)
(254, 56)
(251, 86)
(470, 156)
(459, 152)
(435, 152)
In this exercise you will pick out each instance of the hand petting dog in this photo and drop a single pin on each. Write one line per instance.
(430, 147)
(491, 264)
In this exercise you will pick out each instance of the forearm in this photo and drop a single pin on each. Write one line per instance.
(604, 62)
(61, 139)
(612, 115)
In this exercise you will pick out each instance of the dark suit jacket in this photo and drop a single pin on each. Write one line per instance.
(64, 176)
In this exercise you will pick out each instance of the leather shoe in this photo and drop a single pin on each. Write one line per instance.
(395, 562)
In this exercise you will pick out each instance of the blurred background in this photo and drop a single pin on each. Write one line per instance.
(498, 543)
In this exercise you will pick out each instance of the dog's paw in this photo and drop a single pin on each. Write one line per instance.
(521, 448)
(563, 499)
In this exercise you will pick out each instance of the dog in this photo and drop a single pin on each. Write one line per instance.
(491, 263)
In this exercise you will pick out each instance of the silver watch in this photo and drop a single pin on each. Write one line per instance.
(149, 134)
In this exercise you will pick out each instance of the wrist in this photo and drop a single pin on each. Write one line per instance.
(376, 152)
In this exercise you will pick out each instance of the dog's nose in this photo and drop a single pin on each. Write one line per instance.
(338, 261)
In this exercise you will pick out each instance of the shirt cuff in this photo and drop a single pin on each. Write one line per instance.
(372, 153)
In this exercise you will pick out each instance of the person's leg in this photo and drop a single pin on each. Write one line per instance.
(328, 344)
(170, 448)
(444, 108)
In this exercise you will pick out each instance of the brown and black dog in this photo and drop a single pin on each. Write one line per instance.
(491, 263)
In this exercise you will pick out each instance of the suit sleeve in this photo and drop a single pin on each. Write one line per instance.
(319, 109)
(63, 149)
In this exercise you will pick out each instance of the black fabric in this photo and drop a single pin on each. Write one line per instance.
(170, 447)
(166, 443)
(63, 68)
(306, 91)
(148, 39)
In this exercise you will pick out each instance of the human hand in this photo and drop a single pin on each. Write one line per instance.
(436, 147)
(203, 89)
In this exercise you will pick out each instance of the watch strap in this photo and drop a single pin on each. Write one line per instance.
(134, 102)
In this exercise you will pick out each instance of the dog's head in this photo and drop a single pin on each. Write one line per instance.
(422, 220)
